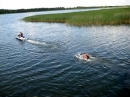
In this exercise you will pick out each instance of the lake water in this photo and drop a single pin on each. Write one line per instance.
(44, 65)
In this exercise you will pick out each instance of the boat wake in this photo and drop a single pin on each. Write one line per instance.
(40, 46)
(37, 42)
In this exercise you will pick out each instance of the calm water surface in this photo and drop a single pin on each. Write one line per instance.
(44, 65)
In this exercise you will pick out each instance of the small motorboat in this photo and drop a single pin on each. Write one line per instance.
(82, 56)
(21, 38)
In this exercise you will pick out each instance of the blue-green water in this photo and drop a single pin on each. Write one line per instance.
(44, 65)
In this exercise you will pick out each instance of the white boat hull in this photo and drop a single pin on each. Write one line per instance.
(21, 38)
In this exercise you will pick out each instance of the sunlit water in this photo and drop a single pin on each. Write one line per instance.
(44, 65)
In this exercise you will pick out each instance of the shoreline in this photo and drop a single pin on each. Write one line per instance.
(115, 16)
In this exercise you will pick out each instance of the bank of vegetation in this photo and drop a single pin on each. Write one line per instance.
(115, 16)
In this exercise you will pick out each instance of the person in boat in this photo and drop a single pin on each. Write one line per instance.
(20, 34)
(86, 56)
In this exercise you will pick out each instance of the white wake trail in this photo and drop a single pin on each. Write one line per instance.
(36, 42)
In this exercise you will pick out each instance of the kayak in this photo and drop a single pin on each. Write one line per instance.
(21, 38)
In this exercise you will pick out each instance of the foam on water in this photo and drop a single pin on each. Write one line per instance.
(37, 42)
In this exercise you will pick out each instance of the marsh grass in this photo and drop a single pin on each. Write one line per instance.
(115, 16)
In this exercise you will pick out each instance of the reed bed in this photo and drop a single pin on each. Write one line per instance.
(115, 16)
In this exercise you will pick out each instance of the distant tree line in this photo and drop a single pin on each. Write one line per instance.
(6, 11)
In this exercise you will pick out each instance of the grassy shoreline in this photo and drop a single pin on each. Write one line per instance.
(115, 16)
